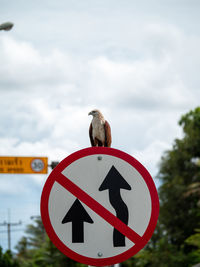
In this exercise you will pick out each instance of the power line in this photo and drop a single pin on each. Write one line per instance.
(8, 224)
(13, 230)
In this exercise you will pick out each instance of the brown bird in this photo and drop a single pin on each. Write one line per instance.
(99, 131)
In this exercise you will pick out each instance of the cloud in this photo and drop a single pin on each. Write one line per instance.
(145, 84)
(46, 96)
(150, 156)
(24, 67)
(152, 80)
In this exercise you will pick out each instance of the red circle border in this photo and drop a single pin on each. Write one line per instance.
(154, 205)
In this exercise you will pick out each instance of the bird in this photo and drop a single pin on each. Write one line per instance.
(99, 130)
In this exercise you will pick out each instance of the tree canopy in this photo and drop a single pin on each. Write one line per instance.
(176, 241)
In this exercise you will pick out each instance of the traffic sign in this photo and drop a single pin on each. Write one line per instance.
(20, 165)
(99, 206)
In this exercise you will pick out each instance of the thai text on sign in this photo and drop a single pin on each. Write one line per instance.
(20, 165)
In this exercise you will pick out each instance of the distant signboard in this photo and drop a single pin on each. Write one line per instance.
(20, 165)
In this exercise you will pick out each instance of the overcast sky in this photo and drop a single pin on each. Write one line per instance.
(136, 61)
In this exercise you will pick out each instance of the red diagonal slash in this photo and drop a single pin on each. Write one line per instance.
(98, 208)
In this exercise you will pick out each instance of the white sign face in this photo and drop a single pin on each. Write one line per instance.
(98, 206)
(37, 165)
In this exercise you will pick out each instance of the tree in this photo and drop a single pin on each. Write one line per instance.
(37, 249)
(194, 240)
(176, 239)
(179, 211)
(7, 259)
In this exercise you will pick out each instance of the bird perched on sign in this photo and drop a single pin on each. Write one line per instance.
(99, 131)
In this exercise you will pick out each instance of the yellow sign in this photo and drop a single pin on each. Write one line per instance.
(23, 165)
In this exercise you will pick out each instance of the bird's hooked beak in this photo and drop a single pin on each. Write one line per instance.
(94, 113)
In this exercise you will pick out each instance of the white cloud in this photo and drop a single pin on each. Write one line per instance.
(150, 84)
(47, 97)
(149, 81)
(150, 157)
(24, 66)
(13, 186)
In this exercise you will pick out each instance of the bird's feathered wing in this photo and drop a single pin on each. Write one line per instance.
(90, 134)
(108, 138)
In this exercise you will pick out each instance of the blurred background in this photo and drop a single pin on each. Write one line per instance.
(136, 61)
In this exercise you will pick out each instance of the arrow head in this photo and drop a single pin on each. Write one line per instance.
(77, 213)
(114, 180)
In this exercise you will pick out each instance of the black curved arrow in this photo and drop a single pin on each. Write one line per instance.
(77, 215)
(114, 182)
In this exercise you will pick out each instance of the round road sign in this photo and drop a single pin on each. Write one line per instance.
(37, 165)
(99, 206)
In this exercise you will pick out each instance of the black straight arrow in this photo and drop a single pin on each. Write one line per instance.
(77, 215)
(114, 182)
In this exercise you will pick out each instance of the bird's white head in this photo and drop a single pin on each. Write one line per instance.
(97, 114)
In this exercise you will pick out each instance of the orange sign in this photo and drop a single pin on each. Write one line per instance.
(19, 165)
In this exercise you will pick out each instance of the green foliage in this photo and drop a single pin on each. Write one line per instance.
(175, 241)
(7, 259)
(163, 255)
(194, 240)
(36, 250)
(179, 211)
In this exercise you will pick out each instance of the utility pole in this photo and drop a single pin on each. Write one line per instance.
(8, 224)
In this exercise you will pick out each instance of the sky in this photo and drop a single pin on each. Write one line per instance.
(136, 61)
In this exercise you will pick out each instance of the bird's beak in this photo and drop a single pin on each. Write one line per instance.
(90, 113)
